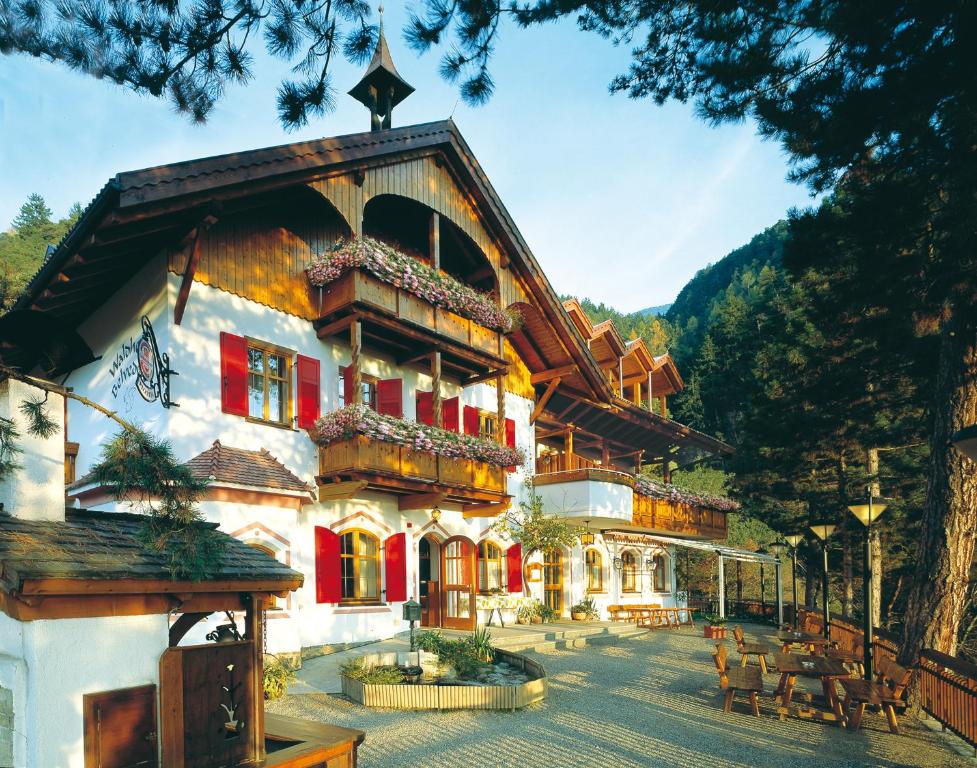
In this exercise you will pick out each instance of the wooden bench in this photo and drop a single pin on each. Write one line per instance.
(853, 659)
(750, 649)
(884, 692)
(735, 680)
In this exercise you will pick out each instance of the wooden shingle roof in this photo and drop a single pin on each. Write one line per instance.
(101, 546)
(238, 466)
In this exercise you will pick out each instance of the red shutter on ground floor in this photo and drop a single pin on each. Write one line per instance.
(513, 561)
(471, 420)
(307, 388)
(348, 398)
(425, 408)
(328, 584)
(390, 397)
(510, 437)
(395, 567)
(234, 374)
(449, 413)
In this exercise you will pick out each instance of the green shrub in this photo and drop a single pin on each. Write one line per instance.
(431, 640)
(481, 641)
(468, 656)
(276, 678)
(357, 669)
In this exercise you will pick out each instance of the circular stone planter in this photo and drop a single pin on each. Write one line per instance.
(447, 696)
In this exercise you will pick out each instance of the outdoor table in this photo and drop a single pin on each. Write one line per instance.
(814, 643)
(792, 665)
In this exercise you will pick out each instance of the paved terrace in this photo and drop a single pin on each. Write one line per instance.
(648, 700)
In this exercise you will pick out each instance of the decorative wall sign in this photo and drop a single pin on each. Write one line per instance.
(534, 572)
(140, 360)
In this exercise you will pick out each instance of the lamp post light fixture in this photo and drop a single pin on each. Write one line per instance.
(794, 541)
(412, 613)
(587, 537)
(867, 514)
(823, 531)
(965, 441)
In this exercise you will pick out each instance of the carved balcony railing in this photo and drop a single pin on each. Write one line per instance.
(392, 468)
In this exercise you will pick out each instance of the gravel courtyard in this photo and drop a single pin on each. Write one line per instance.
(648, 701)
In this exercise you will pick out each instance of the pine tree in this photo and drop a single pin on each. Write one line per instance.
(34, 216)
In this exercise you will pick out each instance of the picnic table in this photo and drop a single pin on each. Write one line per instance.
(793, 665)
(814, 643)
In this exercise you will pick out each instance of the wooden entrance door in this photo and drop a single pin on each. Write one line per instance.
(120, 728)
(429, 583)
(553, 580)
(458, 577)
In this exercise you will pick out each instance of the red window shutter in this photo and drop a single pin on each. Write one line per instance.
(348, 398)
(425, 408)
(307, 386)
(471, 420)
(395, 567)
(510, 437)
(513, 562)
(449, 414)
(234, 374)
(328, 584)
(390, 397)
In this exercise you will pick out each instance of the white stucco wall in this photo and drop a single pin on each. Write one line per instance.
(604, 502)
(51, 665)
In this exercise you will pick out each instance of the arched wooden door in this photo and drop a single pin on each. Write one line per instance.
(458, 583)
(553, 580)
(429, 581)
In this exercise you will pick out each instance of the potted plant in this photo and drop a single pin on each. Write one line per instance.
(546, 614)
(585, 610)
(715, 627)
(525, 613)
(536, 617)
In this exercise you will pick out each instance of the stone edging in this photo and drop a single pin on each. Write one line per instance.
(420, 697)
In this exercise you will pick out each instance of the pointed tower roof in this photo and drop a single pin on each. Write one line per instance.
(381, 74)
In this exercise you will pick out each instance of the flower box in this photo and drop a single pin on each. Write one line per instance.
(714, 632)
(407, 274)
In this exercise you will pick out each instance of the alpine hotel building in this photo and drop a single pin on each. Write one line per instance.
(351, 341)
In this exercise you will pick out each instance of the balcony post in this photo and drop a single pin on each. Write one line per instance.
(567, 449)
(605, 454)
(620, 375)
(663, 402)
(500, 397)
(434, 240)
(651, 402)
(637, 393)
(436, 414)
(356, 345)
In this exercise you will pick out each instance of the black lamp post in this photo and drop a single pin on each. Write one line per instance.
(867, 514)
(412, 613)
(823, 531)
(763, 591)
(794, 540)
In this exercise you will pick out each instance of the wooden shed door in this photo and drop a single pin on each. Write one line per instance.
(120, 728)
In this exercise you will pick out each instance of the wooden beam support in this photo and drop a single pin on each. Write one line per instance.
(434, 240)
(188, 274)
(485, 510)
(343, 490)
(420, 501)
(336, 326)
(541, 403)
(415, 357)
(487, 376)
(543, 376)
(184, 624)
(436, 410)
(356, 347)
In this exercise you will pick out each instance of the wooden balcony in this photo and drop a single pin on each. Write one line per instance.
(390, 468)
(405, 323)
(675, 518)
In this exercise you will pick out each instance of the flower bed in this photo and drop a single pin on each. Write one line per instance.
(668, 492)
(356, 420)
(403, 271)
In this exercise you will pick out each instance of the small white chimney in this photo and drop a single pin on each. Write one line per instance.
(36, 490)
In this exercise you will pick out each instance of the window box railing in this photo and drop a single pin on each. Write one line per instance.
(361, 457)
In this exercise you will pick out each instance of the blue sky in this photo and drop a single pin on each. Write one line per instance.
(621, 201)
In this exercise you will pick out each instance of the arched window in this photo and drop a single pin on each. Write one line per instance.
(594, 568)
(359, 554)
(629, 572)
(489, 567)
(274, 603)
(661, 573)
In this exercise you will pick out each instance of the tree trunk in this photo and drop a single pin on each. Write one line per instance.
(938, 593)
(811, 579)
(847, 588)
(876, 540)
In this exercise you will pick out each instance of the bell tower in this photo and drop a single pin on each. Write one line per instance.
(381, 88)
